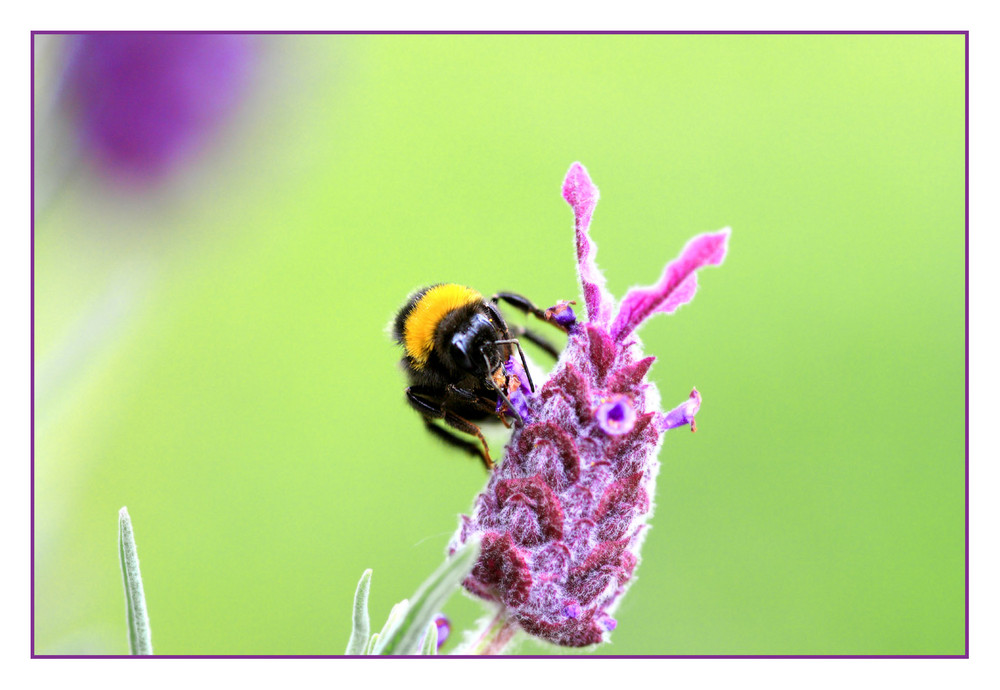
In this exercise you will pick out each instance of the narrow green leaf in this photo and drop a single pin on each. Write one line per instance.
(395, 616)
(370, 647)
(361, 625)
(140, 639)
(404, 638)
(430, 646)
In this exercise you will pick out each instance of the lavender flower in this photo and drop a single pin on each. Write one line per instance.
(562, 518)
(144, 101)
(443, 626)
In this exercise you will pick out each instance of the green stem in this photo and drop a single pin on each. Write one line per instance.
(496, 636)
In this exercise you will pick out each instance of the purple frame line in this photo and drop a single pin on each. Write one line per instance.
(508, 32)
(967, 345)
(511, 656)
(527, 656)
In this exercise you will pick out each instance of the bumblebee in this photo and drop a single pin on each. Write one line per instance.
(455, 346)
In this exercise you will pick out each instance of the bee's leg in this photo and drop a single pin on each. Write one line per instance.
(541, 341)
(482, 403)
(470, 399)
(519, 302)
(431, 405)
(468, 446)
(528, 307)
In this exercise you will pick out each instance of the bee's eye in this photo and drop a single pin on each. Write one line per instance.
(459, 356)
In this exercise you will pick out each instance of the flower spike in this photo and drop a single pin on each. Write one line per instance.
(563, 516)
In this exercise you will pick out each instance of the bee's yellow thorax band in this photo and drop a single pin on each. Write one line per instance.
(423, 319)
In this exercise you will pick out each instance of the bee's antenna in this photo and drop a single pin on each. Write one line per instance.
(502, 395)
(524, 362)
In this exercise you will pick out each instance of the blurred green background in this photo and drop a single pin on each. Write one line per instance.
(211, 351)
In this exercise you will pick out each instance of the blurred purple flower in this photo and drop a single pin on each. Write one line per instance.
(443, 628)
(562, 518)
(143, 102)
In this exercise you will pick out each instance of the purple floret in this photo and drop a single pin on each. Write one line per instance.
(443, 629)
(521, 396)
(616, 415)
(562, 314)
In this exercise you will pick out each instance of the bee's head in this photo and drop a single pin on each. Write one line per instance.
(472, 347)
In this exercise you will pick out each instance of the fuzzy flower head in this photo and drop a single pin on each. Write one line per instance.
(562, 518)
